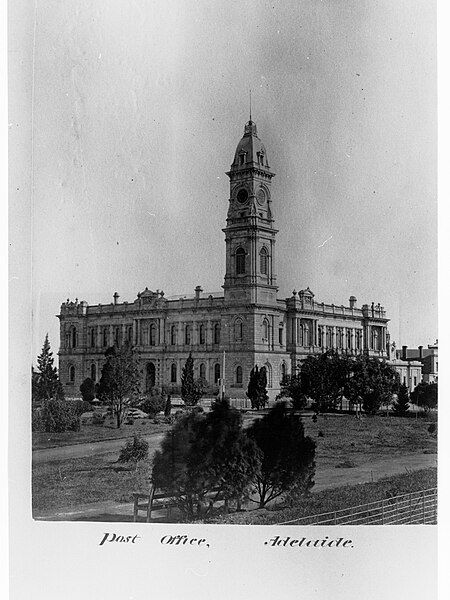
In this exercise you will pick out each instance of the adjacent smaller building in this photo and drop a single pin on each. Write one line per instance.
(427, 357)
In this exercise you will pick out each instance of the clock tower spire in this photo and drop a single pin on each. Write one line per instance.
(250, 275)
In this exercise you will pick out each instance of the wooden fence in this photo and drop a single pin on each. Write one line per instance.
(407, 509)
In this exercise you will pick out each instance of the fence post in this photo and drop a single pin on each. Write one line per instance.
(423, 507)
(335, 518)
(382, 511)
(410, 507)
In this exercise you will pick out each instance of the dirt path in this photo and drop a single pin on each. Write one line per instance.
(90, 449)
(325, 479)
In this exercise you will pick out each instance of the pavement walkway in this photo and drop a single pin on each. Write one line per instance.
(325, 479)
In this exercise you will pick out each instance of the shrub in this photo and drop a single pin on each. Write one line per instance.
(98, 418)
(36, 420)
(152, 405)
(80, 406)
(134, 451)
(432, 428)
(321, 434)
(59, 415)
(87, 389)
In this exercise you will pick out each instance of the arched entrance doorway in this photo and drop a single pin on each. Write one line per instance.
(150, 377)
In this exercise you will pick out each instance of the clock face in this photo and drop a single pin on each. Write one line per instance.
(261, 197)
(242, 196)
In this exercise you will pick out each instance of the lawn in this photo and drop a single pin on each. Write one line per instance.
(96, 433)
(346, 442)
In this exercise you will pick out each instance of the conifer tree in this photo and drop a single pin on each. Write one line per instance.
(401, 405)
(47, 384)
(191, 389)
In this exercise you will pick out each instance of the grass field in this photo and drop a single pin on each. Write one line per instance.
(95, 433)
(346, 442)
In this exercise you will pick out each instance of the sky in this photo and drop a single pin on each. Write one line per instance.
(138, 107)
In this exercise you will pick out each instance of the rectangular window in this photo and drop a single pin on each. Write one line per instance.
(280, 336)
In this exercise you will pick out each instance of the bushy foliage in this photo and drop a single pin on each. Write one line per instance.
(120, 381)
(152, 405)
(168, 407)
(80, 406)
(323, 377)
(257, 388)
(287, 454)
(401, 405)
(206, 457)
(87, 389)
(45, 381)
(134, 451)
(425, 395)
(59, 415)
(291, 387)
(372, 382)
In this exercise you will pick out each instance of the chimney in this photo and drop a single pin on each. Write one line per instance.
(116, 297)
(404, 352)
(198, 290)
(352, 301)
(420, 352)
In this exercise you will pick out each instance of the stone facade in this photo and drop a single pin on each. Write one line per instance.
(228, 332)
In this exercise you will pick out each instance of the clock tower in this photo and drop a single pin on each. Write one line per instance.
(250, 276)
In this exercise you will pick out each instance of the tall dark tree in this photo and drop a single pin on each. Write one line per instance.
(191, 389)
(46, 380)
(287, 454)
(205, 457)
(120, 380)
(425, 395)
(257, 388)
(401, 405)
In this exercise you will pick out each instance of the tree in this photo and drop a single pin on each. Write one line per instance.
(87, 389)
(205, 457)
(287, 454)
(372, 382)
(323, 379)
(152, 405)
(191, 389)
(291, 387)
(46, 381)
(401, 405)
(120, 380)
(134, 451)
(425, 395)
(257, 387)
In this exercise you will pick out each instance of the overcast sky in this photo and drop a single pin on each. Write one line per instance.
(139, 106)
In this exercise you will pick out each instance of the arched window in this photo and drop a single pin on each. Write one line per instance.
(129, 333)
(201, 334)
(264, 261)
(216, 373)
(73, 338)
(217, 333)
(93, 337)
(268, 367)
(152, 334)
(283, 370)
(202, 371)
(93, 372)
(240, 261)
(238, 330)
(105, 336)
(187, 335)
(173, 335)
(239, 375)
(116, 335)
(320, 336)
(280, 334)
(71, 373)
(173, 373)
(266, 330)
